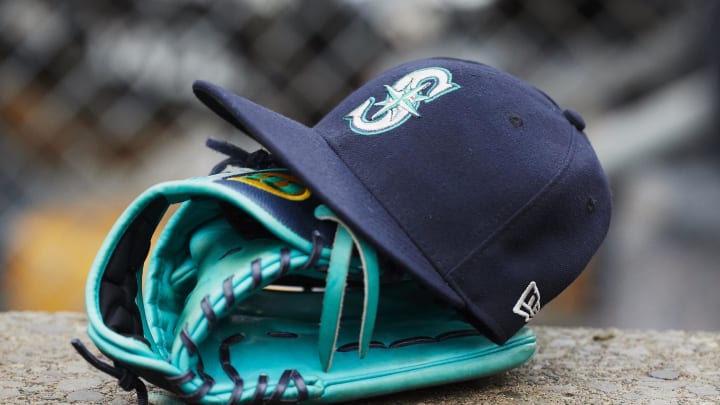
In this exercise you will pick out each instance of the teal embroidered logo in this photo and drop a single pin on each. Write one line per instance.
(402, 101)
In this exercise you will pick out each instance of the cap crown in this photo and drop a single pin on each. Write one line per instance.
(483, 172)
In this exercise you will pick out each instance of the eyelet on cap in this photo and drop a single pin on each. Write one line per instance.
(575, 119)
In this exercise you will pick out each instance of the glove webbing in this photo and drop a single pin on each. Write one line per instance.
(338, 269)
(260, 396)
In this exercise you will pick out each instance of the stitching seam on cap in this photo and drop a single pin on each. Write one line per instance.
(507, 225)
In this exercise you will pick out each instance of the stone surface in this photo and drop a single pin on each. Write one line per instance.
(572, 366)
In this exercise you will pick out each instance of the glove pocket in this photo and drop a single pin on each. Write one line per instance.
(227, 271)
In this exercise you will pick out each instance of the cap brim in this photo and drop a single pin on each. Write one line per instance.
(306, 153)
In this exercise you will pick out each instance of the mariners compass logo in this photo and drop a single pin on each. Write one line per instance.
(402, 101)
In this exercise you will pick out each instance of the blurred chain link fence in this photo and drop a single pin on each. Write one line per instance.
(95, 100)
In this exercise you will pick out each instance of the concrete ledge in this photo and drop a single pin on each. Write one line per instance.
(573, 365)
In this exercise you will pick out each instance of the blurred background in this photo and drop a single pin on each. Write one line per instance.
(96, 105)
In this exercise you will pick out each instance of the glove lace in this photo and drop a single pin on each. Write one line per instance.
(291, 375)
(127, 380)
(237, 156)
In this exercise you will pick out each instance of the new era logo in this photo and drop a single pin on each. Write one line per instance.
(528, 304)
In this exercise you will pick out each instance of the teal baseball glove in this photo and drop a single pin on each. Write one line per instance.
(255, 292)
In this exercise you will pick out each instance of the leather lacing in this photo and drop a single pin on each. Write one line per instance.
(239, 157)
(261, 395)
(375, 344)
(127, 380)
(349, 347)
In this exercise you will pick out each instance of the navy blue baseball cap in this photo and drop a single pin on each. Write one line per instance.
(474, 181)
